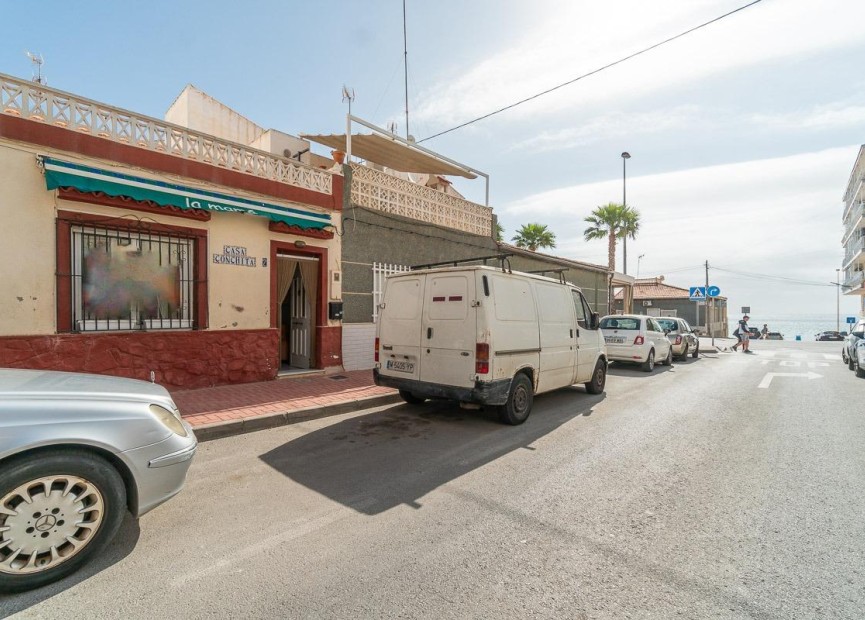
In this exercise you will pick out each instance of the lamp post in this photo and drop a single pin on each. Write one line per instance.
(625, 157)
(838, 300)
(639, 258)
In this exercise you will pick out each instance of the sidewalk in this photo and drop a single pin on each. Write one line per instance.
(233, 409)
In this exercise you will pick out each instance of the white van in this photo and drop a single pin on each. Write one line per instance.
(486, 336)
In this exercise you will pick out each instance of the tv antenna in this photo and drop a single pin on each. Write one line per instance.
(348, 95)
(391, 126)
(37, 61)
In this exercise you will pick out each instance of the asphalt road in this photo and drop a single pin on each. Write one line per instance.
(691, 492)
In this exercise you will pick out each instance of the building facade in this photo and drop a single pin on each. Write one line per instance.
(853, 239)
(144, 248)
(654, 297)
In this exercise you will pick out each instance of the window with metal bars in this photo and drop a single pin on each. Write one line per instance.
(124, 279)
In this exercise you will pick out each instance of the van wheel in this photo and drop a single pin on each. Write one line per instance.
(410, 398)
(860, 372)
(850, 362)
(519, 404)
(599, 379)
(649, 364)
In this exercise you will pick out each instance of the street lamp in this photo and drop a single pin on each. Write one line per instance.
(838, 300)
(625, 157)
(639, 258)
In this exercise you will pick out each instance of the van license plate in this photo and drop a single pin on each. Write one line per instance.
(400, 366)
(614, 340)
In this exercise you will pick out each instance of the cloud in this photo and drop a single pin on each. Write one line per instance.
(575, 38)
(783, 214)
(829, 116)
(612, 125)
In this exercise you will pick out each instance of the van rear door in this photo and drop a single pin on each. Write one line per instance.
(449, 329)
(399, 329)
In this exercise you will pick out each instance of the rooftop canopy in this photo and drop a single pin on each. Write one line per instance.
(385, 151)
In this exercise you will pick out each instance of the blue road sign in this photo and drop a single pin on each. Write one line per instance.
(851, 319)
(713, 291)
(697, 293)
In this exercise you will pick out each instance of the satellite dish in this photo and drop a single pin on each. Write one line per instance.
(411, 138)
(286, 153)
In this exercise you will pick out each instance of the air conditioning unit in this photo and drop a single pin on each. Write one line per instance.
(647, 303)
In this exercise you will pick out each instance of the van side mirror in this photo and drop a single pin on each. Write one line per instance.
(596, 321)
(859, 334)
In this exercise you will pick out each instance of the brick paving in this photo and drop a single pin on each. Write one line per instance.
(248, 400)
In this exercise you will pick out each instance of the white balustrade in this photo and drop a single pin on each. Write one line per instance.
(378, 190)
(37, 102)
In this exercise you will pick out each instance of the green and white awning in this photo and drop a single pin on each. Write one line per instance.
(87, 179)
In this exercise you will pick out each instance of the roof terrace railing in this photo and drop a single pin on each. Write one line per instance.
(39, 103)
(378, 190)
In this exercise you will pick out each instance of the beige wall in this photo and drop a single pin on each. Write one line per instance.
(27, 248)
(198, 111)
(238, 296)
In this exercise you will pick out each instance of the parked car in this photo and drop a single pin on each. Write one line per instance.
(848, 349)
(485, 336)
(859, 358)
(681, 336)
(636, 338)
(774, 336)
(830, 336)
(76, 452)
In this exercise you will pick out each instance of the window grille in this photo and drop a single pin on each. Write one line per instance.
(126, 279)
(380, 271)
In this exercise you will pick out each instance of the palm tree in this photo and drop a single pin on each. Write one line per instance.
(612, 221)
(534, 236)
(500, 233)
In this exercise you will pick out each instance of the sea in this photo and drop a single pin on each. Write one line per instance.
(804, 325)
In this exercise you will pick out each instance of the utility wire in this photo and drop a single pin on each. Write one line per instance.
(768, 277)
(585, 75)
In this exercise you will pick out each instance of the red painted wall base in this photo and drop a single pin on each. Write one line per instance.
(180, 359)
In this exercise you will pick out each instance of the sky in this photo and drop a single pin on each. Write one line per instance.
(742, 134)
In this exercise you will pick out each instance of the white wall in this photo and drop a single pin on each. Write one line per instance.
(198, 111)
(358, 346)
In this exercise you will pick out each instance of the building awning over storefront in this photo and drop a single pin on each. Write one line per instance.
(391, 153)
(87, 179)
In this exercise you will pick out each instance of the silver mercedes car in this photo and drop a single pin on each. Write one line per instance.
(76, 452)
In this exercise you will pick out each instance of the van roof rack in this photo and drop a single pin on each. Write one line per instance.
(561, 272)
(506, 264)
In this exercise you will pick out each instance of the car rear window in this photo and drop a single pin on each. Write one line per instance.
(668, 324)
(611, 322)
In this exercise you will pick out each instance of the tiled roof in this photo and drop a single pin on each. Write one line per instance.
(654, 288)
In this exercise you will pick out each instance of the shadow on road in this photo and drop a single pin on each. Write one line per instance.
(374, 462)
(122, 545)
(624, 369)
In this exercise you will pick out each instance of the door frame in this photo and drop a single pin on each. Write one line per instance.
(318, 307)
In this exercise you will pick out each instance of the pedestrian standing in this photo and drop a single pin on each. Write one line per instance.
(744, 334)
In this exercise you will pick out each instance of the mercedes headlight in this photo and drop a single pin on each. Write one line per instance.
(168, 419)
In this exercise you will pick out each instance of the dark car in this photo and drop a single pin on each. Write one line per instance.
(848, 351)
(774, 336)
(830, 336)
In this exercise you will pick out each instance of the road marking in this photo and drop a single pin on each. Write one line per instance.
(831, 356)
(816, 364)
(767, 379)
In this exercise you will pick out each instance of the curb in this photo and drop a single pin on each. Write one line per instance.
(229, 428)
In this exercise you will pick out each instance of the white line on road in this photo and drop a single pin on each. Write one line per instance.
(831, 356)
(767, 379)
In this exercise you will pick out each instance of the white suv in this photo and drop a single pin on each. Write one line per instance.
(637, 339)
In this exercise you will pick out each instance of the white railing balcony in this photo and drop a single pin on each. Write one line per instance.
(853, 218)
(378, 190)
(854, 247)
(853, 281)
(36, 102)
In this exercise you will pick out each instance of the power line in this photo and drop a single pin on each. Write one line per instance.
(593, 72)
(769, 277)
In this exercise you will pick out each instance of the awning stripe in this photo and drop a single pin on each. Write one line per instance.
(87, 179)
